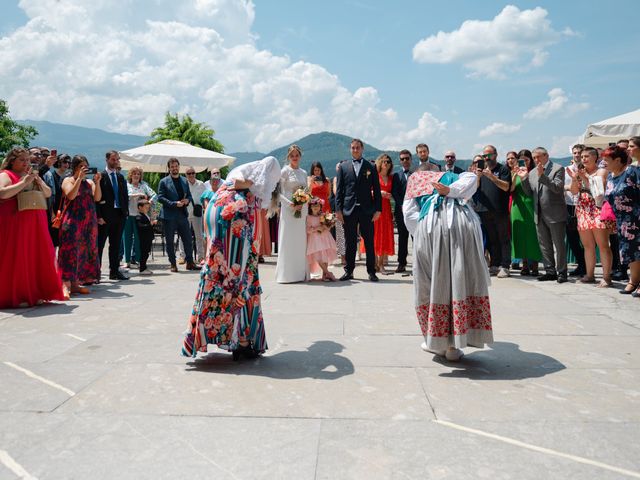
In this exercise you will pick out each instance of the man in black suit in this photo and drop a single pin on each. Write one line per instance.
(449, 163)
(398, 189)
(112, 211)
(358, 204)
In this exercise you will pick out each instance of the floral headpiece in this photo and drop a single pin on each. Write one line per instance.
(316, 201)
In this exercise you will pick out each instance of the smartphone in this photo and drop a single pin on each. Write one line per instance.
(522, 163)
(54, 153)
(92, 170)
(480, 164)
(318, 178)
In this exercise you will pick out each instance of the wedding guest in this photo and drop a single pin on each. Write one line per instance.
(588, 185)
(78, 259)
(358, 206)
(573, 237)
(447, 250)
(27, 265)
(524, 239)
(319, 185)
(227, 309)
(623, 194)
(292, 235)
(145, 232)
(492, 202)
(137, 189)
(450, 162)
(195, 209)
(210, 187)
(399, 187)
(422, 150)
(545, 184)
(383, 240)
(175, 196)
(321, 247)
(262, 235)
(340, 240)
(112, 212)
(633, 151)
(53, 178)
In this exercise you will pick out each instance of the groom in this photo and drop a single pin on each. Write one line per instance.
(358, 204)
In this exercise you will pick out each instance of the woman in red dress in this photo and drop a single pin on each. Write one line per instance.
(27, 258)
(383, 227)
(319, 185)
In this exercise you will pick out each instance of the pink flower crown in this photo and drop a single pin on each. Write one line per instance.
(316, 201)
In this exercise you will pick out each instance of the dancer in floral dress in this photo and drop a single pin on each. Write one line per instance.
(227, 311)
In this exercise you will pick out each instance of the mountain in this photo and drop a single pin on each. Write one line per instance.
(325, 147)
(90, 142)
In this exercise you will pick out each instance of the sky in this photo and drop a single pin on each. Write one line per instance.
(456, 75)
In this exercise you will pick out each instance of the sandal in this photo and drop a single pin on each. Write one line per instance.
(81, 290)
(604, 283)
(66, 294)
(634, 287)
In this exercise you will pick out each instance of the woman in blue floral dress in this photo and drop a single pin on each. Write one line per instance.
(623, 194)
(227, 311)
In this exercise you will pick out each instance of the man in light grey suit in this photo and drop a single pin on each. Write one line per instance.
(545, 184)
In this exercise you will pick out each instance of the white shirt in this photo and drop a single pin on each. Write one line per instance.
(357, 165)
(196, 189)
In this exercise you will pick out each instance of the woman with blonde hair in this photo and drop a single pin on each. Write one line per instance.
(292, 235)
(137, 190)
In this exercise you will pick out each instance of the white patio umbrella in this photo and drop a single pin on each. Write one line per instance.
(154, 157)
(601, 133)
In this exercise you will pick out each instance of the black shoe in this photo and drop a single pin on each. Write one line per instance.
(619, 276)
(346, 276)
(577, 272)
(401, 269)
(174, 268)
(562, 278)
(624, 291)
(373, 277)
(133, 263)
(117, 276)
(547, 277)
(191, 266)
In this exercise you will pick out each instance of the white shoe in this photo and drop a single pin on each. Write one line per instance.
(440, 353)
(503, 273)
(146, 272)
(454, 354)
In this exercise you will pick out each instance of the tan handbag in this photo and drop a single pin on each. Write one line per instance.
(31, 200)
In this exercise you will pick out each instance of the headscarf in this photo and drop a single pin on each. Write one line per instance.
(265, 175)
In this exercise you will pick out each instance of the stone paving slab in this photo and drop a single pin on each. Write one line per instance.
(343, 392)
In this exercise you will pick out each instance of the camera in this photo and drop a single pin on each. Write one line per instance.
(480, 164)
(522, 163)
(92, 170)
(318, 178)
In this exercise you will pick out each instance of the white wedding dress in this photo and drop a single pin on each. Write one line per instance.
(292, 235)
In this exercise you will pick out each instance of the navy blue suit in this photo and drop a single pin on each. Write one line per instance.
(398, 189)
(358, 197)
(174, 217)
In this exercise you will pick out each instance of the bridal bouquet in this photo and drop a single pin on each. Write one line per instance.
(300, 197)
(328, 219)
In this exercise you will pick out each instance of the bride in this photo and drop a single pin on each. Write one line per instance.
(292, 236)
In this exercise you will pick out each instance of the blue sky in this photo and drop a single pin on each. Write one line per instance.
(518, 74)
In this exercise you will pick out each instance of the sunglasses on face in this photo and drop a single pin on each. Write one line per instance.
(405, 158)
(449, 156)
(191, 173)
(387, 162)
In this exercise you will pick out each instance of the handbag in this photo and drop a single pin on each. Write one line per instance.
(197, 210)
(57, 221)
(606, 212)
(31, 200)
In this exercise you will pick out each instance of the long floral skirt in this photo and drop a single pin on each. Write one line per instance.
(451, 281)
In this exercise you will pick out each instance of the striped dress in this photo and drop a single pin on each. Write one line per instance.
(227, 305)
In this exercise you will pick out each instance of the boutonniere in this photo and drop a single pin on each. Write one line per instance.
(368, 173)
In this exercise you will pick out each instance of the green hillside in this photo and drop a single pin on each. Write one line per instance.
(90, 142)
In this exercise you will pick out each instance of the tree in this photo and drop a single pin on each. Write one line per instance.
(188, 131)
(12, 134)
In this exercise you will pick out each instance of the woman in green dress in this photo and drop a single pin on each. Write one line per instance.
(524, 239)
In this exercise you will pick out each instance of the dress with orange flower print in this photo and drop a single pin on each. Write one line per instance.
(227, 306)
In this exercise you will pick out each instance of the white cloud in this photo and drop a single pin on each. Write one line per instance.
(514, 40)
(561, 146)
(558, 103)
(429, 130)
(121, 65)
(498, 128)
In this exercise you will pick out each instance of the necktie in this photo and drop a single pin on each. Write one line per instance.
(116, 193)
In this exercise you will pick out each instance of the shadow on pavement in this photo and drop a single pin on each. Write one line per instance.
(504, 361)
(320, 361)
(53, 308)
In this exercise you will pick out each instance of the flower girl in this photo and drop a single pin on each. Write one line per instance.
(321, 247)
